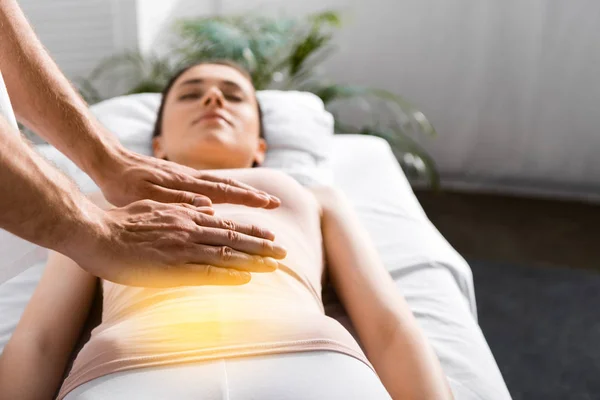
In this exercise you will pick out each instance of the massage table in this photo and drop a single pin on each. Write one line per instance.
(435, 280)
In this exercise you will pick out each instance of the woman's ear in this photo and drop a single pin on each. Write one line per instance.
(157, 147)
(261, 150)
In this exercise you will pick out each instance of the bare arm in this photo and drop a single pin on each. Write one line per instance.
(42, 206)
(389, 333)
(45, 101)
(38, 203)
(43, 98)
(138, 244)
(34, 360)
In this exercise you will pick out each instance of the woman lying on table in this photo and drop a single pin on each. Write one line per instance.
(266, 339)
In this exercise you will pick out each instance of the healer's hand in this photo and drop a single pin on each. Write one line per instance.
(153, 244)
(127, 177)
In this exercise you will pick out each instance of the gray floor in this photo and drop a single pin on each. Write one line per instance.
(543, 328)
(537, 282)
(519, 230)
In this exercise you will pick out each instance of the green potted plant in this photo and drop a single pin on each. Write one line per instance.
(280, 53)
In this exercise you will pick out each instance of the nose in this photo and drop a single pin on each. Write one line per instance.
(213, 97)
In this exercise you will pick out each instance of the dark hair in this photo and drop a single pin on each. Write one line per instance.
(158, 124)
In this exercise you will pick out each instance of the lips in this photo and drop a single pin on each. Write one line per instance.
(211, 115)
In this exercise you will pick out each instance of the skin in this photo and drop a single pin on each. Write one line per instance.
(44, 207)
(387, 329)
(219, 102)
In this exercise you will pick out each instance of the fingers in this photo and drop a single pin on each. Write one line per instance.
(226, 257)
(226, 190)
(221, 223)
(205, 210)
(239, 241)
(220, 276)
(229, 225)
(191, 275)
(274, 201)
(166, 195)
(220, 192)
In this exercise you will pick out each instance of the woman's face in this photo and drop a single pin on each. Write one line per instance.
(211, 121)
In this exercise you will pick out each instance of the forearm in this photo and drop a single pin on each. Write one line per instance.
(28, 373)
(394, 343)
(33, 362)
(44, 100)
(388, 331)
(38, 203)
(405, 361)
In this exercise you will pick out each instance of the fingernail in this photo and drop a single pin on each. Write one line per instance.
(264, 197)
(280, 251)
(271, 263)
(242, 277)
(202, 201)
(275, 199)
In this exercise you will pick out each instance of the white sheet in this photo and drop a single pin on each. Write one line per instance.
(5, 106)
(436, 281)
(433, 277)
(366, 170)
(14, 252)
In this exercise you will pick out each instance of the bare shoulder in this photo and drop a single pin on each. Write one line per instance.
(328, 196)
(326, 192)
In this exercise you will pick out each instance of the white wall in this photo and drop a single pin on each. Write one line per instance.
(510, 85)
(156, 19)
(80, 33)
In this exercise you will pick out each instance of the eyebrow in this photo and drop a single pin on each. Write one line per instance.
(196, 81)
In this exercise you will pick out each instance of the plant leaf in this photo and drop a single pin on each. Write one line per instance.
(331, 18)
(291, 48)
(402, 145)
(308, 46)
(217, 38)
(407, 108)
(146, 86)
(330, 93)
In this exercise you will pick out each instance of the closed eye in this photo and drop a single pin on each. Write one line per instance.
(233, 97)
(190, 96)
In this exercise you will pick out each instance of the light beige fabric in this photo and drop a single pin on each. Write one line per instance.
(276, 312)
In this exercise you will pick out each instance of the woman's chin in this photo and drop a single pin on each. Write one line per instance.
(215, 135)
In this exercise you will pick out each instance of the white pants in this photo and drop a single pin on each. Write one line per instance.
(313, 375)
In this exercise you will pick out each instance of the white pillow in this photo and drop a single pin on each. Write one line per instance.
(131, 118)
(299, 133)
(298, 129)
(15, 253)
